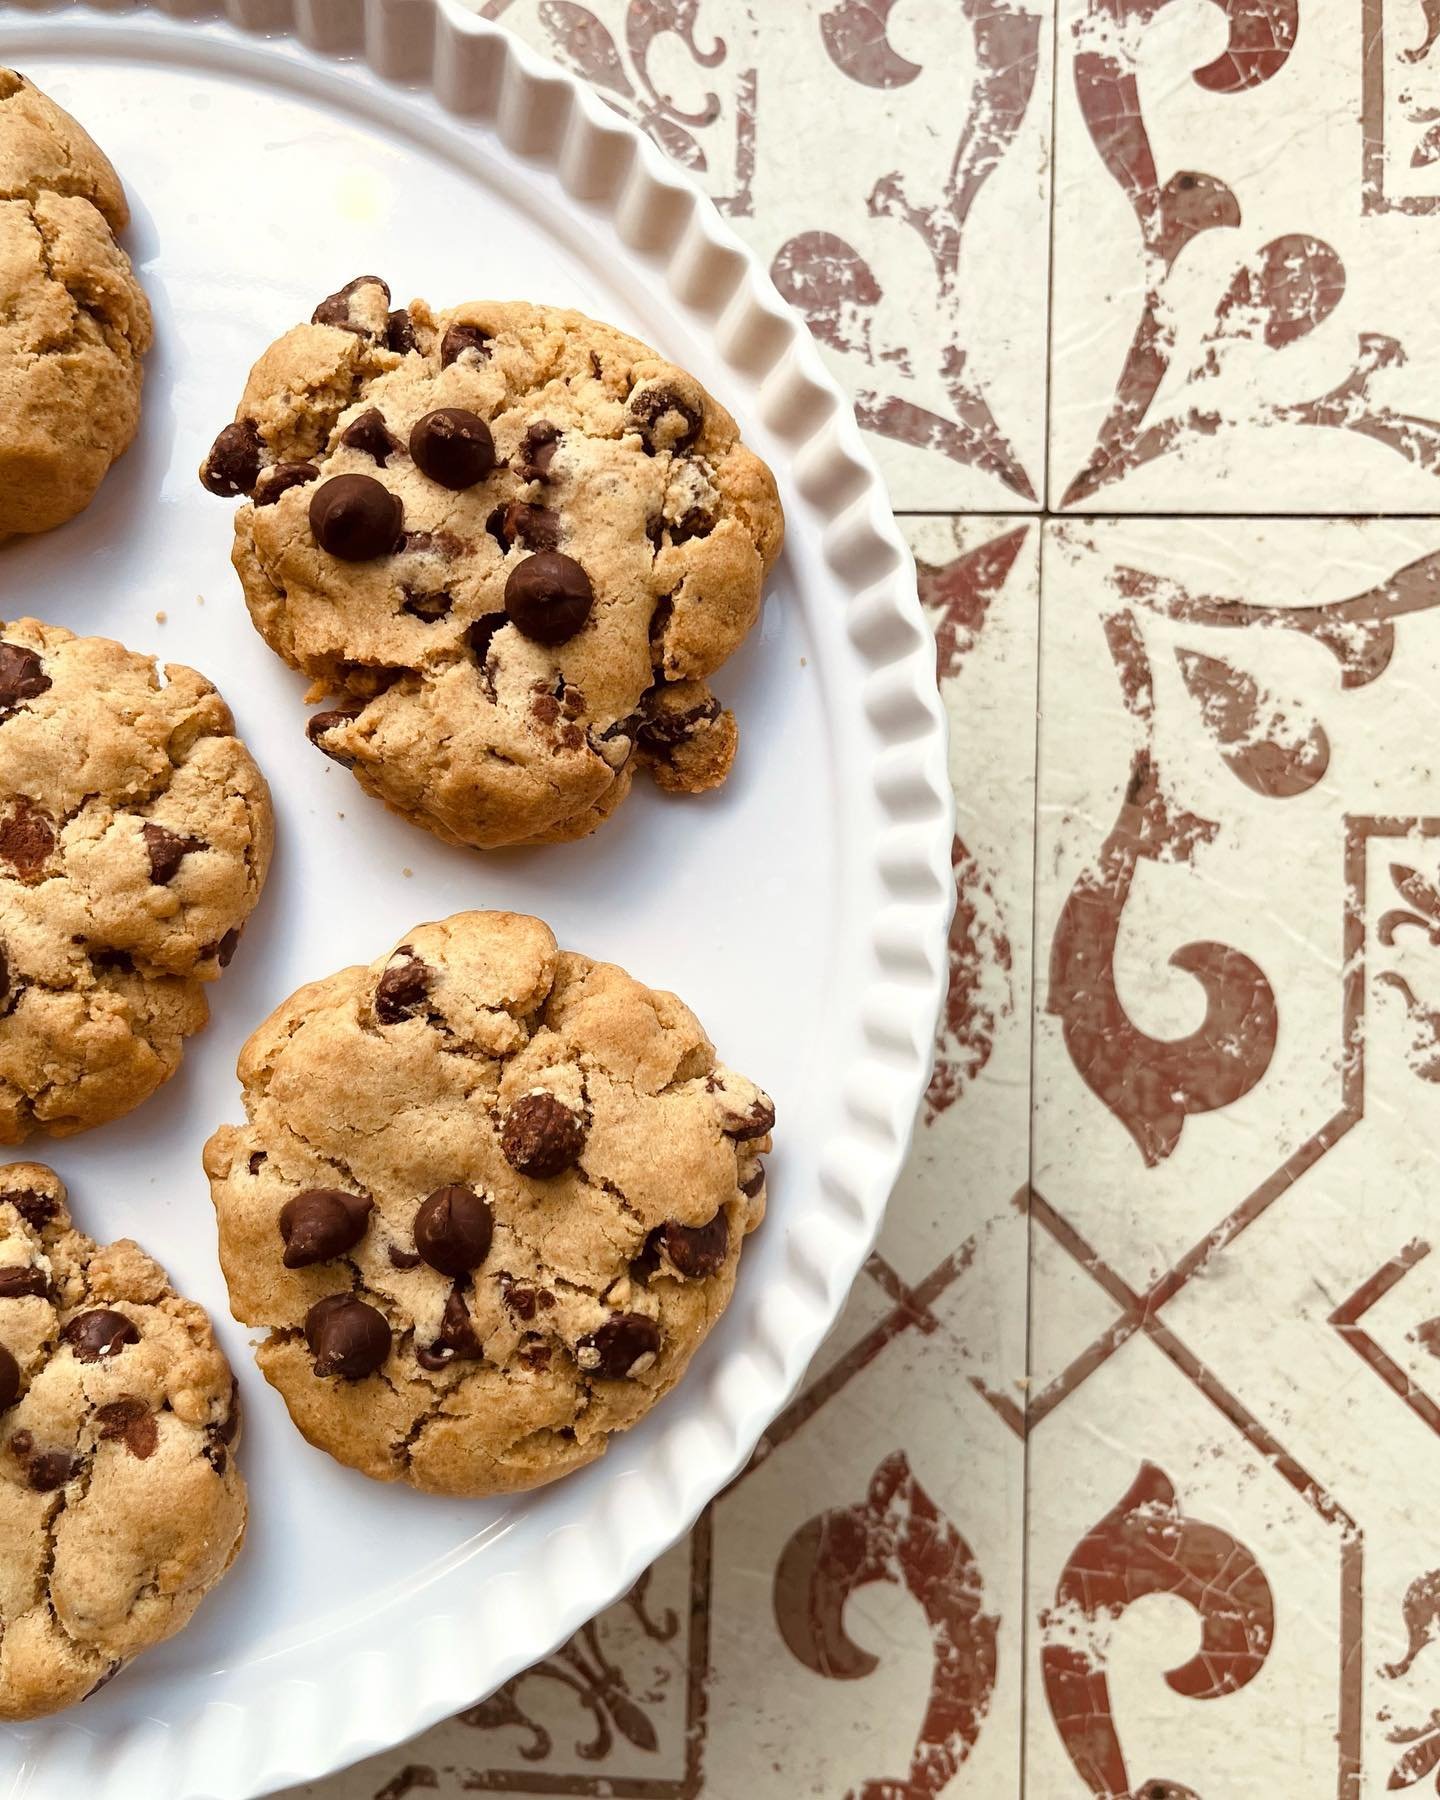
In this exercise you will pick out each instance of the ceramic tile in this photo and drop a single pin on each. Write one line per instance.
(889, 164)
(1241, 218)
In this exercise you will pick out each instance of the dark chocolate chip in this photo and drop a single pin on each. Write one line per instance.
(621, 1342)
(460, 338)
(548, 597)
(35, 1209)
(233, 465)
(752, 1184)
(401, 990)
(650, 405)
(131, 1421)
(322, 1223)
(428, 607)
(403, 1259)
(215, 1452)
(223, 949)
(400, 332)
(229, 1426)
(661, 731)
(20, 1280)
(536, 527)
(99, 1334)
(542, 1135)
(51, 1469)
(356, 518)
(334, 309)
(346, 1337)
(322, 722)
(22, 676)
(757, 1119)
(453, 1229)
(4, 978)
(167, 849)
(281, 478)
(695, 1250)
(525, 1301)
(537, 450)
(9, 1379)
(456, 1331)
(368, 435)
(27, 837)
(453, 446)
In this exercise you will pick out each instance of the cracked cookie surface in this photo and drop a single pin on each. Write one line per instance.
(135, 836)
(74, 321)
(120, 1502)
(510, 542)
(490, 1197)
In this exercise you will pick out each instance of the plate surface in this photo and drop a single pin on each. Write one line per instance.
(801, 911)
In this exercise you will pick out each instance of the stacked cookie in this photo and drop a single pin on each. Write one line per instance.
(490, 1194)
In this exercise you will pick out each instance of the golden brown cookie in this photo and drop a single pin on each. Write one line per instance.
(74, 322)
(490, 1197)
(510, 542)
(120, 1502)
(135, 836)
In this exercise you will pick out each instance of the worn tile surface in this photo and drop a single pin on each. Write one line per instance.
(1116, 1477)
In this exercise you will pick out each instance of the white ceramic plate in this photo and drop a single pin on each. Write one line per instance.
(802, 911)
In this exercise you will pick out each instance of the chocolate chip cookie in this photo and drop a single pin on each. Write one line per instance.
(135, 835)
(509, 543)
(74, 322)
(120, 1502)
(489, 1199)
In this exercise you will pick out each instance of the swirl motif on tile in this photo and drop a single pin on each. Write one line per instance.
(1145, 1545)
(895, 1535)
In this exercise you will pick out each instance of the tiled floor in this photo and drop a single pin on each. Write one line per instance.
(1117, 1478)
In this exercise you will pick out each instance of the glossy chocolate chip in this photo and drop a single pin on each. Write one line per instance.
(99, 1334)
(233, 465)
(51, 1469)
(453, 1229)
(280, 478)
(537, 450)
(453, 446)
(542, 1135)
(456, 1331)
(22, 676)
(368, 435)
(346, 1337)
(166, 850)
(322, 722)
(356, 518)
(401, 990)
(517, 522)
(695, 1250)
(130, 1421)
(334, 309)
(400, 332)
(21, 1280)
(624, 1345)
(402, 1259)
(322, 1223)
(460, 338)
(427, 607)
(9, 1379)
(649, 409)
(548, 597)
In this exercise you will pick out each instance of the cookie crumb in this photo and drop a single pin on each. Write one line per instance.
(407, 873)
(160, 618)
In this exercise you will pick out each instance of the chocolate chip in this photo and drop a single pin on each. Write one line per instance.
(27, 837)
(229, 1426)
(4, 978)
(334, 309)
(22, 676)
(456, 1331)
(51, 1469)
(548, 597)
(537, 450)
(651, 405)
(460, 338)
(368, 435)
(322, 722)
(402, 1259)
(537, 1356)
(167, 849)
(752, 1184)
(755, 1121)
(233, 465)
(322, 1223)
(99, 1334)
(428, 607)
(525, 1301)
(624, 1345)
(215, 1452)
(401, 990)
(695, 1250)
(9, 1379)
(35, 1209)
(400, 332)
(453, 1229)
(542, 1135)
(223, 949)
(21, 1280)
(481, 634)
(356, 518)
(131, 1421)
(661, 731)
(536, 527)
(346, 1337)
(280, 478)
(453, 446)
